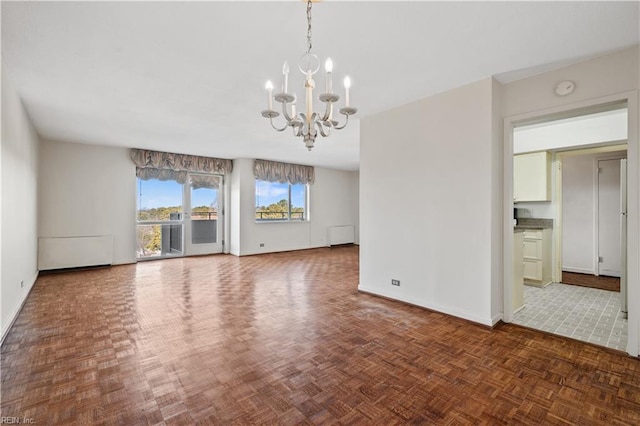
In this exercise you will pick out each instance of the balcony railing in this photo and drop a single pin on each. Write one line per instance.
(179, 216)
(159, 240)
(204, 215)
(279, 216)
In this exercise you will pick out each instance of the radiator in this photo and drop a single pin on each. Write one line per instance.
(341, 235)
(74, 252)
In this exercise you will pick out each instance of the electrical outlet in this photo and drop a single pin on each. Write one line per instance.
(395, 282)
(261, 244)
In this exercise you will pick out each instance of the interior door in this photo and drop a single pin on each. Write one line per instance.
(203, 215)
(609, 256)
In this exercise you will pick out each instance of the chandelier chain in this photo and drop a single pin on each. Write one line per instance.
(309, 26)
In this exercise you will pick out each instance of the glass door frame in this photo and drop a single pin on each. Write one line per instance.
(167, 226)
(195, 249)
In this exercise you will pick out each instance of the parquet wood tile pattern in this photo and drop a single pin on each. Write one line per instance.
(287, 339)
(586, 280)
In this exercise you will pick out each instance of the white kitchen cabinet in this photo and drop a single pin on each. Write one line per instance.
(536, 250)
(532, 177)
(532, 270)
(532, 248)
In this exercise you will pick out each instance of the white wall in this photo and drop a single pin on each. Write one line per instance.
(602, 76)
(19, 205)
(331, 203)
(497, 193)
(88, 190)
(234, 213)
(604, 79)
(355, 202)
(428, 193)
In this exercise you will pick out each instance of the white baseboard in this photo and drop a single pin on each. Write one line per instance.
(124, 261)
(17, 309)
(438, 308)
(610, 273)
(496, 319)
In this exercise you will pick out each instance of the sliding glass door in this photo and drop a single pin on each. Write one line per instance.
(177, 219)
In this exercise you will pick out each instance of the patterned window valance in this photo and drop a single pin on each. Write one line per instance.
(272, 171)
(204, 181)
(146, 173)
(166, 162)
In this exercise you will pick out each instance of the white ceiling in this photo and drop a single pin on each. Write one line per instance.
(189, 77)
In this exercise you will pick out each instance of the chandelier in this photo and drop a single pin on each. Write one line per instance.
(308, 123)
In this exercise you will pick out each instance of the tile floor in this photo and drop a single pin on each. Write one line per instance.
(582, 313)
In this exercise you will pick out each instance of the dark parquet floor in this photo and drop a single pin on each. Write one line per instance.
(287, 339)
(586, 280)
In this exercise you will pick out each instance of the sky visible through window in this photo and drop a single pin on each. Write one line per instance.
(154, 193)
(268, 193)
(297, 195)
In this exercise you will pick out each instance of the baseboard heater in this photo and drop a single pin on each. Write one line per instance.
(74, 252)
(344, 234)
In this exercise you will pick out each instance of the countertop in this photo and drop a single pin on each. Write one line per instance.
(533, 223)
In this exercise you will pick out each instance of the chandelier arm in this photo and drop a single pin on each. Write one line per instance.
(305, 123)
(285, 112)
(346, 121)
(328, 113)
(321, 128)
(277, 129)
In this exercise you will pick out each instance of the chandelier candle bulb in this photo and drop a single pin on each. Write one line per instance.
(328, 67)
(347, 85)
(269, 87)
(285, 72)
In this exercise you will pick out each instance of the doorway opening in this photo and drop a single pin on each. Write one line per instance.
(583, 300)
(586, 163)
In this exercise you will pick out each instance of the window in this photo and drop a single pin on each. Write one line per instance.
(281, 201)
